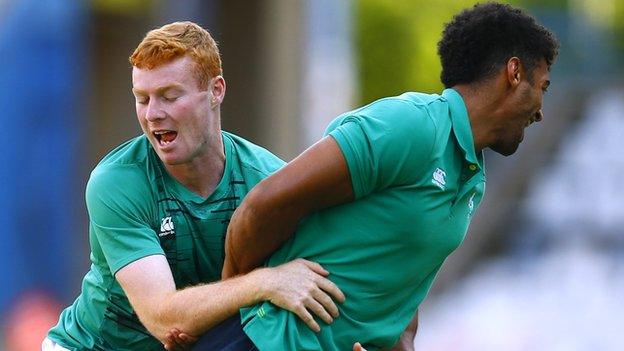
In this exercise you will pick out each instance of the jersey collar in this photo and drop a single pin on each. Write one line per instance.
(220, 191)
(461, 126)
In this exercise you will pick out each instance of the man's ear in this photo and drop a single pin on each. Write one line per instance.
(217, 90)
(514, 71)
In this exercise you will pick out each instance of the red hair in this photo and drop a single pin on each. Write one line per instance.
(174, 40)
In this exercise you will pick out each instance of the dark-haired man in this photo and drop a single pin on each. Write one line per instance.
(403, 177)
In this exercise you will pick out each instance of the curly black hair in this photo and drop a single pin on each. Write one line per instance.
(479, 40)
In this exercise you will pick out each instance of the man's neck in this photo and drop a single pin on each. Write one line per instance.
(481, 104)
(204, 172)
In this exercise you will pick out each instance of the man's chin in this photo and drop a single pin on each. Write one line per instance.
(169, 159)
(506, 150)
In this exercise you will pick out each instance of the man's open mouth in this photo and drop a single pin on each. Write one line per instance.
(165, 137)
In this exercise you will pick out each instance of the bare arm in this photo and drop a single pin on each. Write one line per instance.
(406, 342)
(149, 285)
(296, 286)
(316, 179)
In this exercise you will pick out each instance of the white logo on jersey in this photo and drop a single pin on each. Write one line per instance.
(439, 178)
(471, 204)
(166, 227)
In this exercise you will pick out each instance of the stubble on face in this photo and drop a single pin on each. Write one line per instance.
(526, 106)
(183, 110)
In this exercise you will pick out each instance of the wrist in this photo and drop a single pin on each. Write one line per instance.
(262, 290)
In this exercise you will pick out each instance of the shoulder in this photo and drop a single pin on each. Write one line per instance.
(134, 151)
(117, 186)
(406, 118)
(122, 181)
(109, 177)
(253, 157)
(126, 166)
(408, 113)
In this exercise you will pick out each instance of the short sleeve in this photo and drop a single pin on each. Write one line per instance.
(120, 204)
(387, 144)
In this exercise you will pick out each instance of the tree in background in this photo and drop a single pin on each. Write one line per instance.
(396, 41)
(397, 44)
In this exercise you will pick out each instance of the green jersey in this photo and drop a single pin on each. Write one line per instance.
(417, 182)
(137, 209)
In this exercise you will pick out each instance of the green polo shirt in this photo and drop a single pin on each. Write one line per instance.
(137, 209)
(417, 182)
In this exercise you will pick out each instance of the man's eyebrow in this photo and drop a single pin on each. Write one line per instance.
(159, 90)
(169, 87)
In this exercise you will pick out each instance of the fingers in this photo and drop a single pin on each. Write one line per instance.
(178, 341)
(188, 339)
(185, 341)
(315, 307)
(171, 344)
(358, 347)
(300, 286)
(322, 304)
(325, 284)
(329, 286)
(326, 303)
(315, 267)
(306, 317)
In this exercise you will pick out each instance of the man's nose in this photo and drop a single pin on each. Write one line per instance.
(154, 111)
(539, 115)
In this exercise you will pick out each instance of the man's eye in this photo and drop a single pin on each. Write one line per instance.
(142, 100)
(171, 98)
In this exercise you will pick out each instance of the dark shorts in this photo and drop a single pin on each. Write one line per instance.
(227, 336)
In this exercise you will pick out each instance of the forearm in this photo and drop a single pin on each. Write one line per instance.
(255, 231)
(196, 309)
(299, 286)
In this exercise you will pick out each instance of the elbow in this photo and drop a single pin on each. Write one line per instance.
(247, 216)
(161, 319)
(154, 327)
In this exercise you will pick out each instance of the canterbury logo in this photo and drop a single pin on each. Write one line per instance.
(439, 178)
(166, 227)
